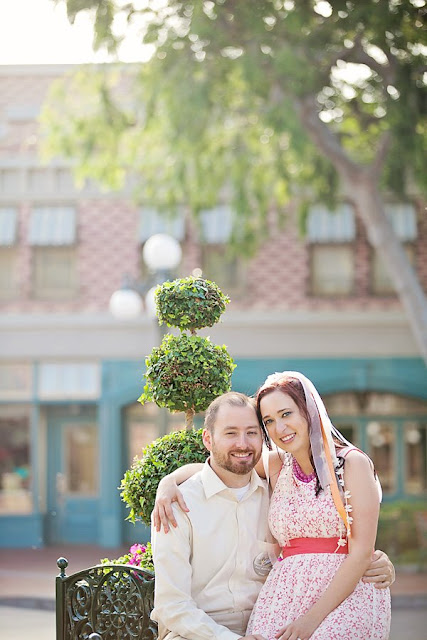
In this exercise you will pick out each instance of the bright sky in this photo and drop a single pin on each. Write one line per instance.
(38, 32)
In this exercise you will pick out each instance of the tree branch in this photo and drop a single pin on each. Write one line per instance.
(383, 147)
(323, 137)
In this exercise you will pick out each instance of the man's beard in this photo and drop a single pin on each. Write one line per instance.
(227, 462)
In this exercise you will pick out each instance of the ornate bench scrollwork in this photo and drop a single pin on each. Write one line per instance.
(112, 600)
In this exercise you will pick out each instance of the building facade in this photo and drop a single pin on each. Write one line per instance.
(70, 373)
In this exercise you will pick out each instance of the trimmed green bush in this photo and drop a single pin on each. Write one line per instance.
(139, 485)
(186, 373)
(190, 303)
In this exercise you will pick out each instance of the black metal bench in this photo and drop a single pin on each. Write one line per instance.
(107, 602)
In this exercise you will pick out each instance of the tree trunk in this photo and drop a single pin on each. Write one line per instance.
(189, 415)
(366, 197)
(360, 186)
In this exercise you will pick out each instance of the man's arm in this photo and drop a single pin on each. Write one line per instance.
(173, 602)
(381, 571)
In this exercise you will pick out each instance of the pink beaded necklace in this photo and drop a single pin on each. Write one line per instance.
(299, 473)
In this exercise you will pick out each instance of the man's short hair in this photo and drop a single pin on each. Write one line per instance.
(232, 399)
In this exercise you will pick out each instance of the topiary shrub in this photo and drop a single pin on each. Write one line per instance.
(139, 485)
(185, 373)
(190, 303)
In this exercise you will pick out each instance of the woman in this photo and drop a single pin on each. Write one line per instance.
(316, 590)
(324, 514)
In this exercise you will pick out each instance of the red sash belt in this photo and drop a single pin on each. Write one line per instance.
(313, 545)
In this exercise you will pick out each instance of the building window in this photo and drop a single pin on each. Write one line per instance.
(15, 461)
(415, 437)
(54, 273)
(331, 270)
(331, 235)
(381, 282)
(9, 285)
(227, 271)
(404, 222)
(52, 233)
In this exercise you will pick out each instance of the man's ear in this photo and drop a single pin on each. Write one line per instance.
(207, 439)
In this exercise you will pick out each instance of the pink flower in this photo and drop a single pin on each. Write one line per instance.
(137, 548)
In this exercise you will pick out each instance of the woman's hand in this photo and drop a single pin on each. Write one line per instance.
(381, 571)
(299, 629)
(167, 493)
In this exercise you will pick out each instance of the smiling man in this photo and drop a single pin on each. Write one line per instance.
(206, 585)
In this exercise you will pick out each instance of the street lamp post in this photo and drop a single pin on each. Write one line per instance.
(161, 254)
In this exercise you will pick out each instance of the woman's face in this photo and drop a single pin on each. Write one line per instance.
(286, 425)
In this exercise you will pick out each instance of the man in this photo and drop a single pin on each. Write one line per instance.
(206, 584)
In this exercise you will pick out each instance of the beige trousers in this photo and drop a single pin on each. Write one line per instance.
(236, 621)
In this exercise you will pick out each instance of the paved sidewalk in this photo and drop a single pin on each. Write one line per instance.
(27, 592)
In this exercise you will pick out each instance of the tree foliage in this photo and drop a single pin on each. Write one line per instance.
(255, 102)
(190, 303)
(221, 103)
(139, 484)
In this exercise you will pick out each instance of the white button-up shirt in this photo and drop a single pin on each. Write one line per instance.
(204, 566)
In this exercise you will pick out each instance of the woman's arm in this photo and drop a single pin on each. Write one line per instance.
(360, 482)
(168, 492)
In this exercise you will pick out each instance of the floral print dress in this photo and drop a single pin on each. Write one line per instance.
(297, 582)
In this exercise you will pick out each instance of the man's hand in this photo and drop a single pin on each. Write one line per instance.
(380, 571)
(167, 492)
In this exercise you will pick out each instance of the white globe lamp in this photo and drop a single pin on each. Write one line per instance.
(161, 252)
(125, 304)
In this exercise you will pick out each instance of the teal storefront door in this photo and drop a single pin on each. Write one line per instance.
(72, 481)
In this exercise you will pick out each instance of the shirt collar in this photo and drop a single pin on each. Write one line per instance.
(212, 484)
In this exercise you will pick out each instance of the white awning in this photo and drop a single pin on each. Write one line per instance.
(52, 226)
(152, 222)
(324, 225)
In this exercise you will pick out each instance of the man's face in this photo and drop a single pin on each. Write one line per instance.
(236, 441)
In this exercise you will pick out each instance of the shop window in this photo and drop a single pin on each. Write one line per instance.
(16, 381)
(381, 449)
(81, 455)
(15, 462)
(381, 283)
(144, 423)
(415, 436)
